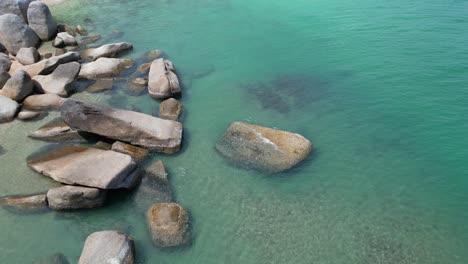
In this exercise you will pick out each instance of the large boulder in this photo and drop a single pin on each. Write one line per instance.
(168, 224)
(104, 68)
(4, 77)
(90, 167)
(106, 247)
(5, 62)
(43, 102)
(28, 56)
(108, 51)
(47, 66)
(265, 149)
(60, 81)
(58, 131)
(170, 109)
(75, 197)
(41, 21)
(123, 125)
(17, 7)
(18, 87)
(162, 80)
(16, 34)
(8, 109)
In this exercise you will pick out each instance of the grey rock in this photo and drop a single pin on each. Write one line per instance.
(66, 28)
(4, 77)
(108, 51)
(43, 102)
(17, 7)
(5, 62)
(8, 109)
(89, 167)
(158, 172)
(16, 34)
(162, 80)
(41, 21)
(170, 109)
(168, 224)
(64, 39)
(132, 127)
(18, 87)
(104, 68)
(47, 66)
(75, 197)
(60, 81)
(27, 56)
(263, 148)
(58, 131)
(106, 247)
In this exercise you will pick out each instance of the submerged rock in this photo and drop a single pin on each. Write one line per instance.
(162, 80)
(108, 51)
(75, 197)
(154, 54)
(58, 131)
(101, 85)
(18, 86)
(57, 258)
(106, 247)
(27, 56)
(80, 30)
(263, 148)
(43, 102)
(41, 21)
(168, 224)
(135, 152)
(16, 34)
(158, 172)
(104, 68)
(137, 86)
(8, 109)
(60, 81)
(33, 202)
(170, 109)
(127, 126)
(87, 167)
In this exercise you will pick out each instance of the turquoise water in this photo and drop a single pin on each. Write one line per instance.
(380, 87)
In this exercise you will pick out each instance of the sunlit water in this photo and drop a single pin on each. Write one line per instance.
(380, 87)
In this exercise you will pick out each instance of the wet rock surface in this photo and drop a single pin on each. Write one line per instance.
(168, 224)
(108, 247)
(75, 197)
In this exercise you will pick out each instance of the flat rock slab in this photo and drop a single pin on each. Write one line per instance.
(90, 167)
(108, 247)
(108, 51)
(47, 66)
(58, 131)
(75, 197)
(43, 102)
(265, 149)
(60, 81)
(132, 127)
(104, 68)
(33, 202)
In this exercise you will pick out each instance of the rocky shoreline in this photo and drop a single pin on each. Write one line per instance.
(110, 145)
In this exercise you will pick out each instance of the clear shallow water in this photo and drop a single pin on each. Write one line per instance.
(378, 86)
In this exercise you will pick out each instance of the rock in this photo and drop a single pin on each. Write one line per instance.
(80, 30)
(263, 148)
(162, 80)
(168, 224)
(27, 56)
(91, 39)
(154, 54)
(104, 68)
(89, 167)
(4, 77)
(57, 258)
(25, 202)
(158, 172)
(41, 21)
(101, 85)
(135, 152)
(64, 39)
(15, 34)
(28, 115)
(170, 109)
(43, 102)
(102, 145)
(17, 7)
(137, 86)
(60, 81)
(66, 28)
(127, 126)
(47, 55)
(108, 247)
(108, 51)
(144, 68)
(58, 131)
(5, 62)
(8, 109)
(47, 66)
(75, 197)
(18, 86)
(59, 52)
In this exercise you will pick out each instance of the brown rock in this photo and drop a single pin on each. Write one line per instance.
(168, 224)
(170, 109)
(135, 152)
